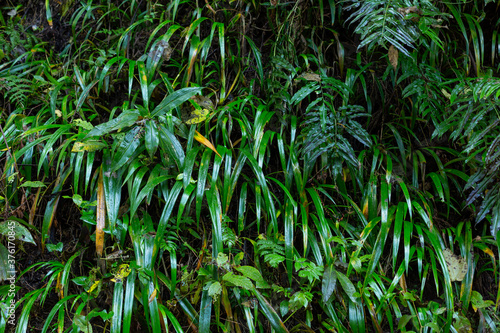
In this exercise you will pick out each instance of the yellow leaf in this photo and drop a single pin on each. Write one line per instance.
(152, 296)
(197, 116)
(87, 146)
(365, 208)
(201, 139)
(446, 94)
(59, 286)
(122, 272)
(488, 251)
(93, 286)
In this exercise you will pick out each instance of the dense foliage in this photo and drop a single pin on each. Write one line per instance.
(248, 166)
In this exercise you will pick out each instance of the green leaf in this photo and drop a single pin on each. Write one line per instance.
(174, 100)
(83, 124)
(143, 79)
(404, 320)
(304, 92)
(478, 302)
(54, 310)
(238, 280)
(151, 137)
(112, 182)
(22, 323)
(205, 312)
(270, 313)
(35, 183)
(254, 274)
(126, 119)
(82, 323)
(117, 306)
(55, 247)
(17, 230)
(172, 146)
(329, 283)
(462, 324)
(222, 259)
(4, 264)
(347, 286)
(257, 55)
(128, 303)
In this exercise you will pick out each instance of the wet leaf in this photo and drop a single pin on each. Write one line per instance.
(329, 283)
(127, 118)
(204, 141)
(347, 286)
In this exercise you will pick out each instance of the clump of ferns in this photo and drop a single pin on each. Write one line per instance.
(13, 40)
(329, 131)
(16, 89)
(473, 122)
(484, 183)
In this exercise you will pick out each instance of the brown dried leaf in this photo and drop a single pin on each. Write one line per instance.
(409, 10)
(393, 56)
(311, 77)
(203, 101)
(167, 51)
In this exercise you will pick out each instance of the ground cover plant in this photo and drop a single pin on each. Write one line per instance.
(248, 166)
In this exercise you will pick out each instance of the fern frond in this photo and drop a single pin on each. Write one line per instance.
(380, 23)
(272, 251)
(16, 89)
(326, 131)
(402, 24)
(476, 117)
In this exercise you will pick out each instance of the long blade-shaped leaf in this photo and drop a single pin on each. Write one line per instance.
(100, 216)
(174, 100)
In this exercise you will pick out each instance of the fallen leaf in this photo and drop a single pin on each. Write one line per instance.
(393, 56)
(457, 266)
(311, 77)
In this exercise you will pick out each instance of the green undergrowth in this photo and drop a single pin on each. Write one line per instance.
(247, 166)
